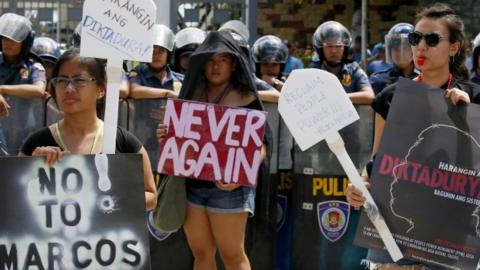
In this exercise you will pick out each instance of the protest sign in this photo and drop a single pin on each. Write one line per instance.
(315, 107)
(83, 213)
(117, 31)
(212, 142)
(426, 178)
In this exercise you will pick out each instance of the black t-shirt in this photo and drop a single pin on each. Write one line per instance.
(126, 141)
(381, 103)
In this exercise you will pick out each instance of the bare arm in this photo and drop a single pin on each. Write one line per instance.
(270, 96)
(35, 90)
(145, 92)
(149, 184)
(363, 97)
(124, 89)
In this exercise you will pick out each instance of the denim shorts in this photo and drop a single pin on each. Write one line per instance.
(215, 200)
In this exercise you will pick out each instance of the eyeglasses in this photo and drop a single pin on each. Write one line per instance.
(77, 82)
(431, 39)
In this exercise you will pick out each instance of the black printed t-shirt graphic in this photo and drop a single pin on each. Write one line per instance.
(381, 103)
(126, 141)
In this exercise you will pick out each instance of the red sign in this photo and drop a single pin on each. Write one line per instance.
(212, 142)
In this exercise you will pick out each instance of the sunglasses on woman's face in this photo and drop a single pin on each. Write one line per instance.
(431, 39)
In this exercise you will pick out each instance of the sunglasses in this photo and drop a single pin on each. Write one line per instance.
(431, 39)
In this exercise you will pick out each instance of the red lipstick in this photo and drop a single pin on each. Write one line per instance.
(421, 60)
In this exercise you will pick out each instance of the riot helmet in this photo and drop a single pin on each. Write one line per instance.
(397, 48)
(237, 27)
(186, 42)
(331, 33)
(270, 49)
(46, 48)
(19, 29)
(164, 37)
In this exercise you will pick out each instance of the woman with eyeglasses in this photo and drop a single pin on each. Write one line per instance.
(438, 47)
(78, 85)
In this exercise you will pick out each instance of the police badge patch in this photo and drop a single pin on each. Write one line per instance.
(333, 219)
(160, 236)
(346, 80)
(24, 73)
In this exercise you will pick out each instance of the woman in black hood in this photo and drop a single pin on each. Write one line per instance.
(217, 213)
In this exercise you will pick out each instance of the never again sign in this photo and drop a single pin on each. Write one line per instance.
(212, 142)
(86, 212)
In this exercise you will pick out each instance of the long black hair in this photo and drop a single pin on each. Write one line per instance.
(454, 24)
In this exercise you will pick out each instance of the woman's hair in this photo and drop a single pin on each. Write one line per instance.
(455, 26)
(94, 66)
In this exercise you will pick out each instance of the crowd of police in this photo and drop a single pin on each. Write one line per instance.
(26, 65)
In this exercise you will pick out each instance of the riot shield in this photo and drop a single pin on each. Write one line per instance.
(24, 118)
(324, 224)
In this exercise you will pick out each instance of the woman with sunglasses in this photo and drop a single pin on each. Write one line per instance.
(78, 85)
(438, 47)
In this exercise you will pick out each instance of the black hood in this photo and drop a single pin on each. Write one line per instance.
(215, 43)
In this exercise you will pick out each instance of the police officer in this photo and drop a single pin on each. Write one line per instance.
(266, 92)
(475, 71)
(270, 55)
(331, 41)
(20, 74)
(399, 54)
(187, 41)
(156, 79)
(48, 50)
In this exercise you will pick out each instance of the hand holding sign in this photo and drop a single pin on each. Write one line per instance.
(212, 142)
(117, 31)
(315, 107)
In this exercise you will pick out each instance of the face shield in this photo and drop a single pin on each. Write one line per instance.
(15, 27)
(398, 50)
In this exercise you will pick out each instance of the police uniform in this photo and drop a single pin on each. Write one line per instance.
(382, 79)
(262, 85)
(26, 72)
(144, 124)
(143, 75)
(352, 77)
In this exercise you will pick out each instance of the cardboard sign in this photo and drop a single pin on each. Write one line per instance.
(117, 30)
(426, 179)
(315, 107)
(86, 212)
(313, 104)
(212, 142)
